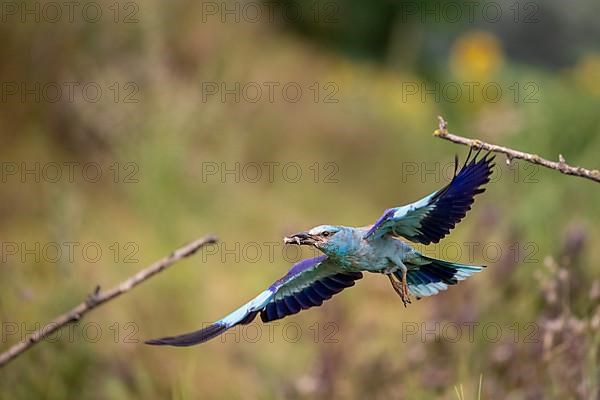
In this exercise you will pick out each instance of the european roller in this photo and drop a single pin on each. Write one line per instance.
(349, 251)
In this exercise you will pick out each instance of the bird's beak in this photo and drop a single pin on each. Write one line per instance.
(300, 239)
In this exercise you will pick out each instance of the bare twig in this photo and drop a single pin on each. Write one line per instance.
(98, 298)
(560, 165)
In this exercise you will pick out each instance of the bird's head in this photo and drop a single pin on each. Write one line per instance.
(327, 238)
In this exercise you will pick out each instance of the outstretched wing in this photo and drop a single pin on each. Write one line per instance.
(307, 284)
(431, 218)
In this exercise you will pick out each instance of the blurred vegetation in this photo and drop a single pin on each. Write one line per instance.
(373, 54)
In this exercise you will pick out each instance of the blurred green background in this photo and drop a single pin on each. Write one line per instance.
(170, 105)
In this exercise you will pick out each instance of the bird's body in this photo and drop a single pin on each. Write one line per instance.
(349, 251)
(355, 254)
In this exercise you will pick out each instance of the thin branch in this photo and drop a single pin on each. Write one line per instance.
(98, 298)
(560, 165)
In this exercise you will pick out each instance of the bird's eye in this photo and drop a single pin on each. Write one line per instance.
(325, 234)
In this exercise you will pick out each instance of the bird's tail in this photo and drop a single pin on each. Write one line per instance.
(433, 275)
(243, 315)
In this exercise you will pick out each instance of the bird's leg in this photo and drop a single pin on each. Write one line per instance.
(399, 289)
(405, 287)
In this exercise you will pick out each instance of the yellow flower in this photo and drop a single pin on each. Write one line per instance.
(587, 73)
(476, 55)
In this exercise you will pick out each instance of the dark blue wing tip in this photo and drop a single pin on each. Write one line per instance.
(474, 173)
(456, 198)
(190, 339)
(469, 163)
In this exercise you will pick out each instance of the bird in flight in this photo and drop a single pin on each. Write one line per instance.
(348, 252)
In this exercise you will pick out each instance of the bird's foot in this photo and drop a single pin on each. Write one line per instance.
(405, 289)
(406, 298)
(401, 289)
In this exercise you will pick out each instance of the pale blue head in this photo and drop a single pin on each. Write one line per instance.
(331, 240)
